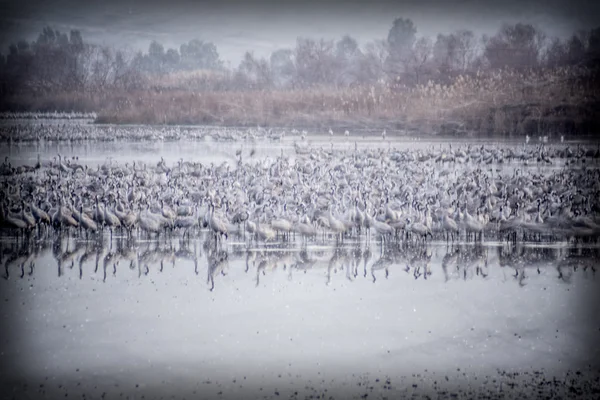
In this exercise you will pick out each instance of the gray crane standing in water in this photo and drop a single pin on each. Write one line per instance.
(344, 192)
(217, 224)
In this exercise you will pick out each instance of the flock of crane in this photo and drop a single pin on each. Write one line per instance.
(52, 116)
(444, 192)
(61, 131)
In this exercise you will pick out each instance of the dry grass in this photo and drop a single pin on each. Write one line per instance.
(191, 80)
(499, 103)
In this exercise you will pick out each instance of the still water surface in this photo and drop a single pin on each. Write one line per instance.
(209, 151)
(89, 316)
(139, 312)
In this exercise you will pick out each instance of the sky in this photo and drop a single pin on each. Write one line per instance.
(263, 26)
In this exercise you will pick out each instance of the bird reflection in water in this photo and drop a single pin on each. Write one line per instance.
(465, 261)
(268, 259)
(217, 260)
(339, 259)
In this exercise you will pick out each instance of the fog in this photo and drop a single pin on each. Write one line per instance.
(264, 26)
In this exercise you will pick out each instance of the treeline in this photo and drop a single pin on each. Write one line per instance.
(518, 81)
(66, 62)
(405, 59)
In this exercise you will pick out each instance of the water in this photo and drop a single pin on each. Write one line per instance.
(148, 318)
(281, 315)
(208, 150)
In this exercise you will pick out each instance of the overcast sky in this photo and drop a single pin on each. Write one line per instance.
(265, 25)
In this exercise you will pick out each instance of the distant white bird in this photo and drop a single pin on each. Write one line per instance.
(562, 138)
(383, 134)
(330, 132)
(346, 133)
(527, 138)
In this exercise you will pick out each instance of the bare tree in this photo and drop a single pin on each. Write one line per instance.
(445, 53)
(575, 50)
(466, 49)
(555, 54)
(515, 46)
(171, 60)
(454, 53)
(593, 47)
(315, 61)
(419, 57)
(197, 54)
(257, 72)
(349, 59)
(282, 66)
(102, 67)
(376, 54)
(401, 38)
(156, 57)
(127, 72)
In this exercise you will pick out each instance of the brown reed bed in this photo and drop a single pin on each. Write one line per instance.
(506, 103)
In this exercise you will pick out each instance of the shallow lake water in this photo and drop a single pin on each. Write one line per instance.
(208, 150)
(245, 318)
(115, 318)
